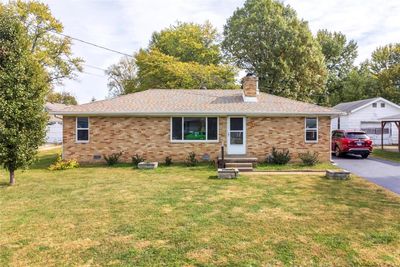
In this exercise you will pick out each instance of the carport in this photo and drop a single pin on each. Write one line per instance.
(389, 119)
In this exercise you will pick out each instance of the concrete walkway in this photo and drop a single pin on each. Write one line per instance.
(381, 172)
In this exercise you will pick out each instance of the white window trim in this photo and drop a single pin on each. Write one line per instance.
(305, 130)
(183, 130)
(76, 131)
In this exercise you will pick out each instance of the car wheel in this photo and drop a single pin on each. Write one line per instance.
(337, 152)
(364, 156)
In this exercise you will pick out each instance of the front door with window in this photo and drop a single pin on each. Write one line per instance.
(236, 133)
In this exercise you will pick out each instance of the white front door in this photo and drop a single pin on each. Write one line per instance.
(236, 133)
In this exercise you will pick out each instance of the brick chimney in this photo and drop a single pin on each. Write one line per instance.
(250, 88)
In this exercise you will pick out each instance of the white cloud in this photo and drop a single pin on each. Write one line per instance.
(127, 25)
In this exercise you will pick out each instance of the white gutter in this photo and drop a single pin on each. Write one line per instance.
(194, 113)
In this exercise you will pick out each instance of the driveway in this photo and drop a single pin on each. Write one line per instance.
(381, 172)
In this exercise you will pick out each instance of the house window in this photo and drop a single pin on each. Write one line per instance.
(382, 105)
(194, 129)
(374, 105)
(82, 129)
(311, 129)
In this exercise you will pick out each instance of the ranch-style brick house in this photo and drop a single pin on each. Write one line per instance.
(157, 123)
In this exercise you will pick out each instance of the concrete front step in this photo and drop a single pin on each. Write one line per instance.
(242, 167)
(239, 160)
(238, 164)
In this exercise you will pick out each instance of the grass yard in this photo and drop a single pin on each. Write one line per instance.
(184, 216)
(294, 166)
(384, 154)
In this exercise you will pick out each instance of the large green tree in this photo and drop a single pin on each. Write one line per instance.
(189, 42)
(267, 38)
(23, 87)
(65, 98)
(185, 55)
(384, 66)
(122, 78)
(157, 70)
(340, 55)
(46, 42)
(378, 76)
(358, 84)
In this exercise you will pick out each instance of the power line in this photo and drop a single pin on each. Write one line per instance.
(93, 44)
(94, 74)
(94, 67)
(85, 42)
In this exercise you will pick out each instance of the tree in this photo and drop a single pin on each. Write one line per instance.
(375, 77)
(356, 85)
(384, 67)
(46, 42)
(265, 37)
(122, 77)
(186, 55)
(23, 87)
(157, 70)
(340, 55)
(189, 42)
(62, 98)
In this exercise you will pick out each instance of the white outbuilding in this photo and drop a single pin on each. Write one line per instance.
(365, 115)
(54, 133)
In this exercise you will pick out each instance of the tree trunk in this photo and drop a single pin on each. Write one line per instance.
(12, 177)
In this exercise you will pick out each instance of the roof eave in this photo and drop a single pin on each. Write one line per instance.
(264, 114)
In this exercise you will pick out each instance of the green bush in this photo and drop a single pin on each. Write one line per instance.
(309, 159)
(113, 158)
(61, 164)
(168, 161)
(136, 159)
(191, 160)
(278, 157)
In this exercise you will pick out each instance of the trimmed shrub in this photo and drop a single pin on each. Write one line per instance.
(136, 159)
(278, 157)
(168, 161)
(191, 160)
(309, 159)
(61, 164)
(112, 159)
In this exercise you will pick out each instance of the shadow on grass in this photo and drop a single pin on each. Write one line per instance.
(44, 161)
(4, 184)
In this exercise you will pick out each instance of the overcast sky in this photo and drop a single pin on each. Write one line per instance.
(126, 25)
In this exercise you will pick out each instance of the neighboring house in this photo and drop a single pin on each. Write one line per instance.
(54, 133)
(365, 115)
(173, 122)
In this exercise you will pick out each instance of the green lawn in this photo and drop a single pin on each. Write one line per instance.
(176, 216)
(384, 154)
(294, 166)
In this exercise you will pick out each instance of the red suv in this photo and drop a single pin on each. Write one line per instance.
(351, 142)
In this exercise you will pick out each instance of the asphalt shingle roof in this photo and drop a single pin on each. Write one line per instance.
(350, 106)
(185, 101)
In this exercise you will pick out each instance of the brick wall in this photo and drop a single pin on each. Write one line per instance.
(150, 137)
(265, 133)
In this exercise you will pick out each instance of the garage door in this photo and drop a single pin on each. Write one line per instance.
(373, 130)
